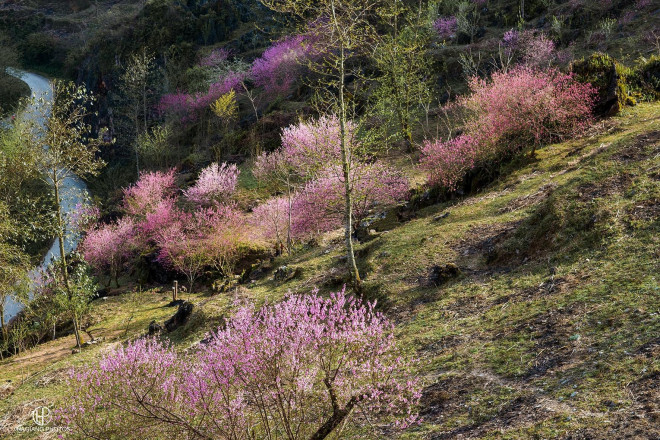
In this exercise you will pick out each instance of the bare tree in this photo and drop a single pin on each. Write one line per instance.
(135, 81)
(344, 31)
(67, 149)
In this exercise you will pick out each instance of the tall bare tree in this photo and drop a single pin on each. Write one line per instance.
(135, 82)
(67, 149)
(344, 31)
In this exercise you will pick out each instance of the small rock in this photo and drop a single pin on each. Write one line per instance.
(180, 317)
(441, 274)
(441, 216)
(155, 328)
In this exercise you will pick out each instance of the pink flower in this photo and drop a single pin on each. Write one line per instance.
(446, 26)
(279, 66)
(215, 184)
(319, 356)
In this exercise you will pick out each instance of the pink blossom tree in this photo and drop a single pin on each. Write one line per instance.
(230, 238)
(108, 247)
(307, 149)
(182, 245)
(507, 113)
(215, 184)
(148, 193)
(446, 163)
(271, 220)
(319, 207)
(280, 65)
(446, 27)
(525, 106)
(298, 369)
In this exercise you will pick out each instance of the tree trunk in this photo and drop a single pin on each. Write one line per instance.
(60, 236)
(338, 416)
(288, 229)
(345, 162)
(137, 134)
(2, 321)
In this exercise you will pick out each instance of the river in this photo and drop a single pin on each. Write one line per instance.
(73, 188)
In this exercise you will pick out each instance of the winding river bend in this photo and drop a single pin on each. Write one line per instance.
(74, 189)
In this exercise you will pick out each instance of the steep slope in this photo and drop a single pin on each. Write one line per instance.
(548, 329)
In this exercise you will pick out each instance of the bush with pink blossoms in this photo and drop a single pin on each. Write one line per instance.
(307, 148)
(535, 51)
(182, 242)
(526, 107)
(188, 106)
(507, 113)
(108, 247)
(271, 220)
(320, 205)
(280, 65)
(148, 192)
(215, 184)
(446, 27)
(116, 397)
(445, 163)
(301, 366)
(215, 58)
(539, 52)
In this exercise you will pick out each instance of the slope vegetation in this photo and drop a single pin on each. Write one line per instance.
(533, 304)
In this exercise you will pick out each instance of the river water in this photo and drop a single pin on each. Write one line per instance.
(73, 188)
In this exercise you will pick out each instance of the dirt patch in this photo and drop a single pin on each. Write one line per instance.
(651, 349)
(639, 421)
(481, 241)
(552, 343)
(641, 148)
(616, 184)
(20, 415)
(450, 397)
(646, 211)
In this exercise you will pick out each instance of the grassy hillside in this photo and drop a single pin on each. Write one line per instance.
(549, 330)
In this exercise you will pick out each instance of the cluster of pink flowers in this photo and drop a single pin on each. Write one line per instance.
(215, 184)
(306, 148)
(149, 192)
(307, 167)
(511, 38)
(445, 163)
(281, 64)
(108, 247)
(446, 26)
(319, 205)
(271, 219)
(188, 106)
(215, 58)
(319, 358)
(509, 112)
(274, 72)
(212, 234)
(537, 51)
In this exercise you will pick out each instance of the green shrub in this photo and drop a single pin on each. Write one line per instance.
(11, 91)
(611, 78)
(647, 77)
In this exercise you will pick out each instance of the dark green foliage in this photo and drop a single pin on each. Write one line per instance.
(647, 76)
(41, 49)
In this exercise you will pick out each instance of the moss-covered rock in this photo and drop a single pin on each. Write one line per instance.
(611, 79)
